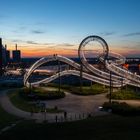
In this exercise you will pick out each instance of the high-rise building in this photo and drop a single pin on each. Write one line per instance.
(7, 52)
(1, 56)
(16, 55)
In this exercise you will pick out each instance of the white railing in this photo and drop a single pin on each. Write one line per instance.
(103, 77)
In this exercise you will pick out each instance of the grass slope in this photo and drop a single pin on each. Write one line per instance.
(26, 105)
(86, 90)
(125, 94)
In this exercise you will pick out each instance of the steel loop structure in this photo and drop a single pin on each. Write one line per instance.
(120, 76)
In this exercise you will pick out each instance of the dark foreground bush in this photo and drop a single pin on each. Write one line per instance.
(122, 108)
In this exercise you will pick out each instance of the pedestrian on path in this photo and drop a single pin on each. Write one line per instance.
(65, 115)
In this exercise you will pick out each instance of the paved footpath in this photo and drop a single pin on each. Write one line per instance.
(10, 108)
(77, 107)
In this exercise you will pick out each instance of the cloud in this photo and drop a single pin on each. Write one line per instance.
(108, 33)
(37, 32)
(31, 42)
(24, 41)
(132, 34)
(17, 40)
(48, 44)
(67, 44)
(60, 46)
(64, 45)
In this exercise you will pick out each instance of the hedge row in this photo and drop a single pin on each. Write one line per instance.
(121, 108)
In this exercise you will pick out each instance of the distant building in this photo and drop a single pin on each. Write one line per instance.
(1, 56)
(16, 55)
(5, 56)
(7, 52)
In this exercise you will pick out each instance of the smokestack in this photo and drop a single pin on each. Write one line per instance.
(16, 47)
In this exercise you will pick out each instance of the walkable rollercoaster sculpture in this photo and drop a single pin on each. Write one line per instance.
(119, 75)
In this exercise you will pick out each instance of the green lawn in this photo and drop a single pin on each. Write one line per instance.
(125, 94)
(86, 90)
(89, 90)
(97, 128)
(27, 105)
(40, 93)
(44, 94)
(21, 103)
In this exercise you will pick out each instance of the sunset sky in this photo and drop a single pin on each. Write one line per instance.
(45, 27)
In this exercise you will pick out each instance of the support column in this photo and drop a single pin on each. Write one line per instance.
(59, 69)
(110, 88)
(81, 76)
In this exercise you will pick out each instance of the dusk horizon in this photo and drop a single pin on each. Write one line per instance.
(42, 28)
(70, 69)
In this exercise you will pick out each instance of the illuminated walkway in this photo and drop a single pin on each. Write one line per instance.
(114, 75)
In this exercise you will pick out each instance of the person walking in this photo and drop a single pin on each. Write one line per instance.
(65, 115)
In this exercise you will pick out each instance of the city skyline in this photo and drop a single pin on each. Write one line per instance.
(45, 27)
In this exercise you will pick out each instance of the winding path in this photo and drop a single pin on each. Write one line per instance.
(73, 104)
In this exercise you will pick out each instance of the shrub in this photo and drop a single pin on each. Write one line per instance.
(89, 90)
(40, 94)
(123, 94)
(122, 108)
(86, 89)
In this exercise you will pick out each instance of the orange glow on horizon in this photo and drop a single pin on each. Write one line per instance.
(39, 50)
(48, 52)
